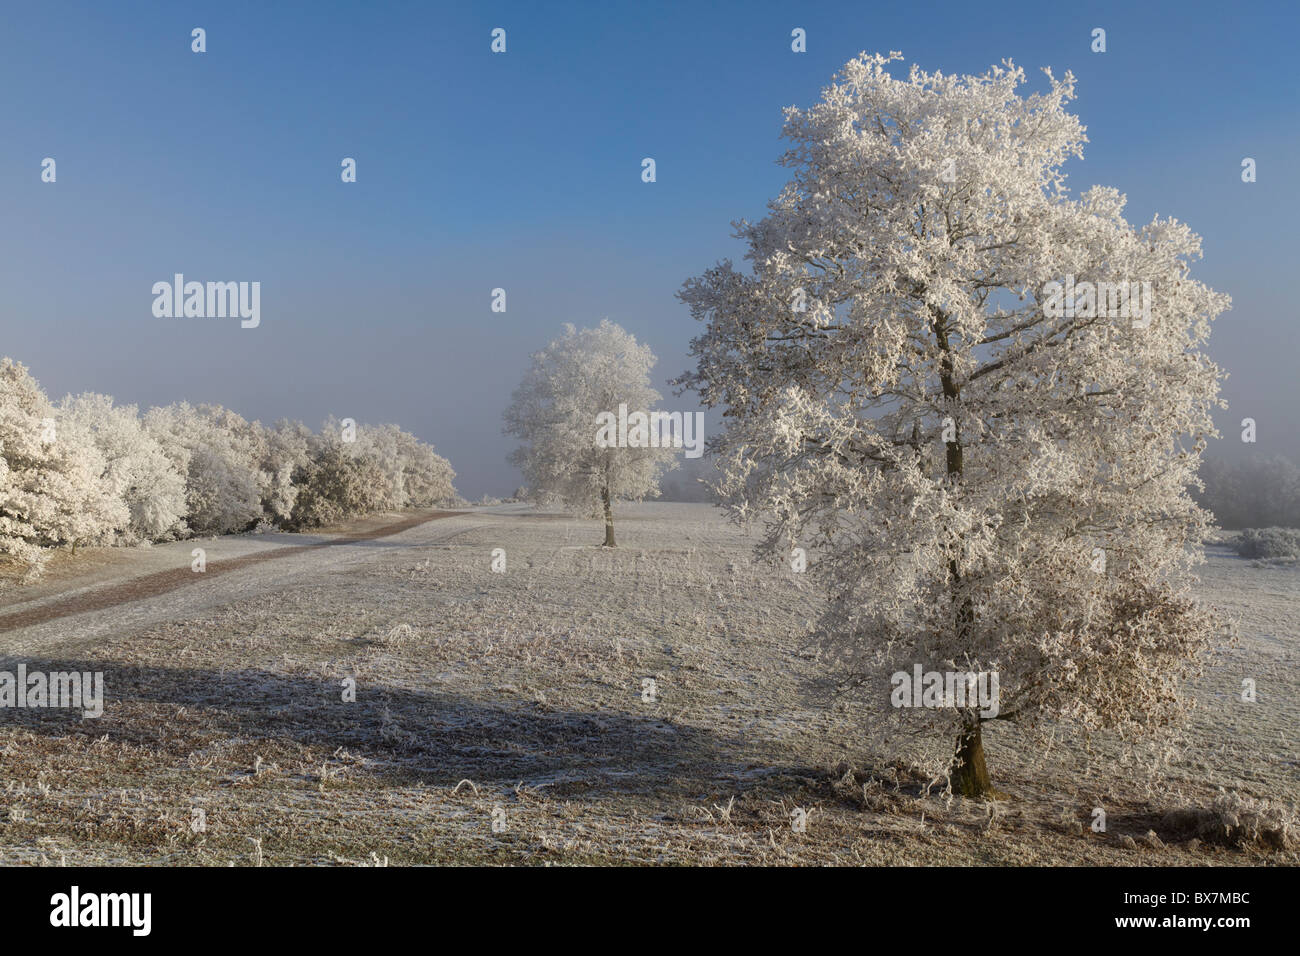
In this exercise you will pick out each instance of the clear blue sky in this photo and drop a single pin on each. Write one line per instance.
(522, 171)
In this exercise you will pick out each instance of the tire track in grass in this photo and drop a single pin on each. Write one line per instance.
(161, 582)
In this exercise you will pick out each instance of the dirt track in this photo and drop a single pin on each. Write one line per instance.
(152, 585)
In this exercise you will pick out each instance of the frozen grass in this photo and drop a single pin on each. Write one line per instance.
(521, 697)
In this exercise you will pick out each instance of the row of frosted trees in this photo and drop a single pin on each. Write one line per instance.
(87, 471)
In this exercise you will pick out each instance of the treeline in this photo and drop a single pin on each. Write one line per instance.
(1251, 493)
(89, 472)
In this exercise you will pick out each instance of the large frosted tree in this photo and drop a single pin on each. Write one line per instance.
(989, 466)
(556, 412)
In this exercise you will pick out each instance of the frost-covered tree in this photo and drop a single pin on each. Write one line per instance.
(556, 413)
(413, 475)
(53, 489)
(379, 444)
(288, 448)
(991, 474)
(337, 485)
(220, 454)
(91, 472)
(427, 477)
(22, 459)
(135, 469)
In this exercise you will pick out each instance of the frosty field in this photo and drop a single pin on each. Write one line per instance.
(519, 698)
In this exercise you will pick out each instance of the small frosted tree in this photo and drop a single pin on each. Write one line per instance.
(992, 474)
(556, 413)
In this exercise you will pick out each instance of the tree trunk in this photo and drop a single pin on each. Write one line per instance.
(969, 773)
(609, 513)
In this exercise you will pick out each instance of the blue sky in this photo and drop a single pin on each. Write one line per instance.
(522, 171)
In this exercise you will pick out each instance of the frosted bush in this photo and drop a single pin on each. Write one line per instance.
(1269, 543)
(136, 471)
(54, 488)
(220, 455)
(336, 486)
(1234, 821)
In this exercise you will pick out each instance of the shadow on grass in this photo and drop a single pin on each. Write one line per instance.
(409, 735)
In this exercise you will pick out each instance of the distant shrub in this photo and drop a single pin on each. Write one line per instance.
(1269, 543)
(287, 450)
